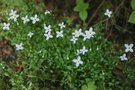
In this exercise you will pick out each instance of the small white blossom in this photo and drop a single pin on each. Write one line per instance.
(59, 34)
(77, 33)
(6, 26)
(83, 50)
(61, 25)
(123, 57)
(48, 12)
(12, 12)
(74, 39)
(88, 34)
(48, 35)
(47, 28)
(85, 37)
(78, 61)
(78, 52)
(19, 46)
(129, 48)
(108, 13)
(13, 17)
(25, 19)
(30, 34)
(34, 19)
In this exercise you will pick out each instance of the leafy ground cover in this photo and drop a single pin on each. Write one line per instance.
(45, 48)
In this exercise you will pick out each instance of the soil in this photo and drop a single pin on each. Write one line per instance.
(7, 51)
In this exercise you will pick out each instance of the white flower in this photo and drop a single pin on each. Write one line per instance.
(47, 28)
(19, 47)
(48, 12)
(48, 35)
(78, 52)
(30, 34)
(34, 19)
(129, 48)
(83, 50)
(14, 17)
(25, 19)
(74, 39)
(77, 33)
(12, 12)
(123, 57)
(59, 34)
(78, 61)
(85, 37)
(61, 25)
(108, 13)
(6, 26)
(89, 34)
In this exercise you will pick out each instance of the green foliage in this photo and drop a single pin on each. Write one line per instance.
(14, 3)
(133, 4)
(81, 8)
(3, 85)
(83, 15)
(48, 65)
(132, 16)
(89, 86)
(50, 61)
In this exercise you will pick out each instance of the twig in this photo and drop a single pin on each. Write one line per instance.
(100, 22)
(122, 2)
(95, 12)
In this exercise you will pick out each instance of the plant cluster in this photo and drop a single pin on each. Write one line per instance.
(55, 54)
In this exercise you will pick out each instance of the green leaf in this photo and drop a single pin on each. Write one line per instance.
(133, 4)
(132, 18)
(83, 15)
(81, 6)
(84, 87)
(89, 86)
